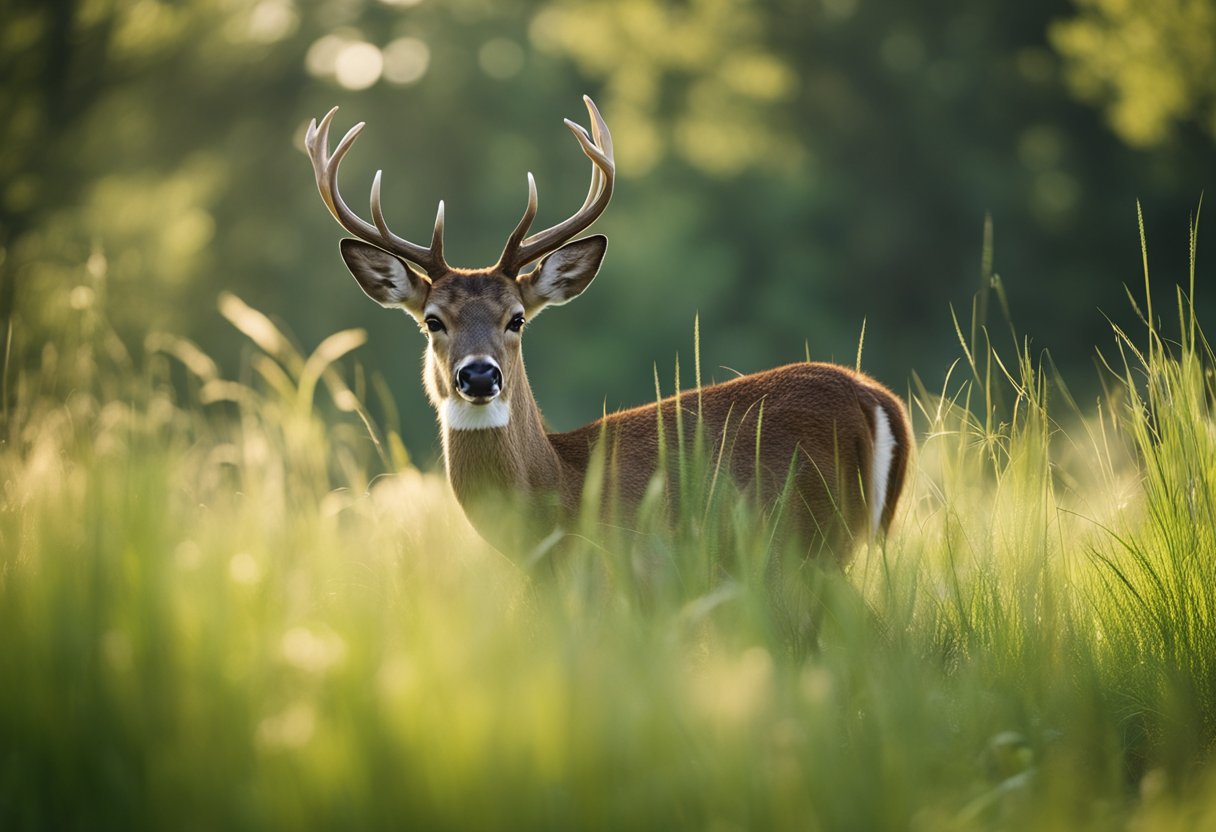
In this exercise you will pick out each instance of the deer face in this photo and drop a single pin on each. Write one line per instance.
(474, 321)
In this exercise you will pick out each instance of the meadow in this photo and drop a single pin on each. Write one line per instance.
(235, 603)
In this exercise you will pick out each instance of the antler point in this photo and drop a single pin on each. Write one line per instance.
(327, 119)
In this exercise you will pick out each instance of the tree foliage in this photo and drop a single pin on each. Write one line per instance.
(788, 169)
(1150, 66)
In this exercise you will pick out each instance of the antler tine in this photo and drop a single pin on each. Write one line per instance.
(437, 235)
(325, 168)
(525, 222)
(431, 259)
(597, 178)
(593, 190)
(597, 145)
(377, 208)
(603, 138)
(310, 138)
(317, 143)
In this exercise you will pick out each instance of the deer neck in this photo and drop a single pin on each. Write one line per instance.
(498, 456)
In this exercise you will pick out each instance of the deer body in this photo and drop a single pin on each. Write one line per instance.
(859, 426)
(839, 438)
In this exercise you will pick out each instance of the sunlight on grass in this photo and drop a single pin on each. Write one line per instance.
(233, 603)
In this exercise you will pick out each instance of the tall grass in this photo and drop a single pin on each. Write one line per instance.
(235, 604)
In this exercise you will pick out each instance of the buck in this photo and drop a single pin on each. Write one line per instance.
(839, 438)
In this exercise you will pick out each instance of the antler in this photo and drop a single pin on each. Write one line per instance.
(325, 166)
(521, 251)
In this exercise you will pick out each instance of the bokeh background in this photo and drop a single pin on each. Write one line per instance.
(786, 170)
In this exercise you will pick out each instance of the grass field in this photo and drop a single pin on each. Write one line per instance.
(218, 612)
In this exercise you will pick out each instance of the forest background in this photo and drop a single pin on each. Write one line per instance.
(788, 171)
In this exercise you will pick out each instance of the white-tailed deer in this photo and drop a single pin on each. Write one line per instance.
(839, 438)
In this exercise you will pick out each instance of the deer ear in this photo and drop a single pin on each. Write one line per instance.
(384, 277)
(564, 274)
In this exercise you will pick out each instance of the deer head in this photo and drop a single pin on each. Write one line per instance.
(473, 318)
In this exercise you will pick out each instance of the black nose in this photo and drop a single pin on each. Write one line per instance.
(479, 379)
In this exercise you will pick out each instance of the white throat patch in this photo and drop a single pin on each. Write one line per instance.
(457, 414)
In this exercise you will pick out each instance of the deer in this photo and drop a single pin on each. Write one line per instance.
(833, 440)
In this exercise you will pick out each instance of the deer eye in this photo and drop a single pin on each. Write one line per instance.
(516, 323)
(434, 324)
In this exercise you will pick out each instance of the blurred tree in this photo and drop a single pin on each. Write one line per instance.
(787, 169)
(889, 130)
(1151, 66)
(698, 77)
(54, 62)
(118, 157)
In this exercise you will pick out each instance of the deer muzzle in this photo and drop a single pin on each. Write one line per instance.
(478, 379)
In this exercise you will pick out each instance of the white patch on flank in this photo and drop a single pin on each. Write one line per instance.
(457, 414)
(880, 467)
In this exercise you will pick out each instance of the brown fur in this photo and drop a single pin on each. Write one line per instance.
(816, 421)
(817, 416)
